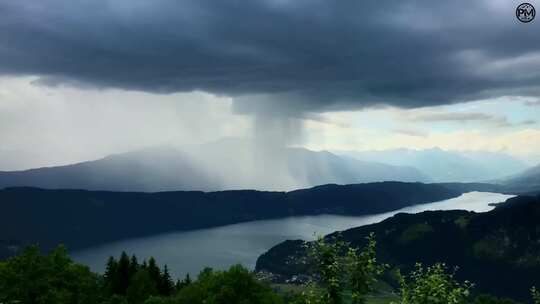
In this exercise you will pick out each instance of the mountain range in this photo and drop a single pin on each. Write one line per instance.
(235, 163)
(212, 167)
(527, 181)
(447, 166)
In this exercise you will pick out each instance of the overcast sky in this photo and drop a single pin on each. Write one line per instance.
(83, 79)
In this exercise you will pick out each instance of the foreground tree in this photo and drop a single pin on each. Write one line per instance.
(116, 299)
(346, 274)
(127, 278)
(535, 295)
(234, 286)
(363, 270)
(141, 287)
(165, 285)
(33, 278)
(489, 299)
(432, 285)
(180, 284)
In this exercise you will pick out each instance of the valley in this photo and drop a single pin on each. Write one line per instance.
(222, 247)
(497, 250)
(80, 218)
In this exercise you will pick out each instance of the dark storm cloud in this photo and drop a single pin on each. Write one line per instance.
(278, 56)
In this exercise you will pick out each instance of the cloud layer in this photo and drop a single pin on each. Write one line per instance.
(278, 56)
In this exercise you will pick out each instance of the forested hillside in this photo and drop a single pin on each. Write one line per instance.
(81, 218)
(498, 250)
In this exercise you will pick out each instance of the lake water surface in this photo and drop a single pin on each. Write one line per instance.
(221, 247)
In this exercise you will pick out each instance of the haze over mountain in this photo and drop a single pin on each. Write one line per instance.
(227, 164)
(447, 166)
(525, 181)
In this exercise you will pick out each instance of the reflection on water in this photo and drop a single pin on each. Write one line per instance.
(220, 247)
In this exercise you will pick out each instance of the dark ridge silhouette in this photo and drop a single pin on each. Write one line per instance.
(80, 218)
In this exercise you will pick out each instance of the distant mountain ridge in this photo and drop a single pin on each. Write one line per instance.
(527, 181)
(524, 183)
(213, 167)
(81, 219)
(447, 166)
(133, 171)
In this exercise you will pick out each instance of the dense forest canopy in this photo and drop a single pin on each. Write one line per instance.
(344, 274)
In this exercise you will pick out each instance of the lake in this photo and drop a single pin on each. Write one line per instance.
(221, 247)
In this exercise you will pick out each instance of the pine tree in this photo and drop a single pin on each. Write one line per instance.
(187, 280)
(154, 271)
(180, 284)
(111, 275)
(166, 284)
(133, 266)
(123, 273)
